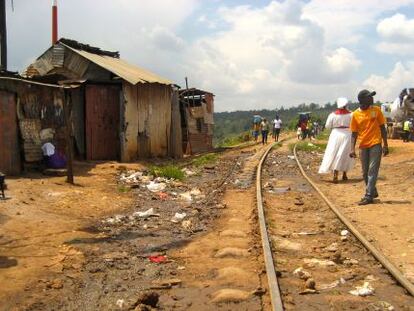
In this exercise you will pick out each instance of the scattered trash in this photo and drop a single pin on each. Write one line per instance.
(189, 196)
(365, 290)
(156, 187)
(313, 262)
(120, 303)
(146, 214)
(344, 232)
(302, 273)
(380, 306)
(178, 217)
(291, 157)
(158, 258)
(133, 178)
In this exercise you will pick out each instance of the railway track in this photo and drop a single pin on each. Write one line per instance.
(322, 261)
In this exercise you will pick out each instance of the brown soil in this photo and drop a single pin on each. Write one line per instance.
(387, 222)
(303, 228)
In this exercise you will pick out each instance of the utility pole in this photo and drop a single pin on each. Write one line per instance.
(3, 35)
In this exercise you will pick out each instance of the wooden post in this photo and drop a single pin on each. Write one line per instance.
(68, 135)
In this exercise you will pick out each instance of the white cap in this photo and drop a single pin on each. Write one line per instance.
(341, 102)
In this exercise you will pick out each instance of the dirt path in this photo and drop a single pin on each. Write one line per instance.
(388, 222)
(307, 239)
(223, 269)
(41, 215)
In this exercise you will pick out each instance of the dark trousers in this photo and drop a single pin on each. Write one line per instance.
(264, 137)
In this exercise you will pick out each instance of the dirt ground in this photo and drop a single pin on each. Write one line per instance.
(389, 222)
(307, 236)
(42, 213)
(84, 247)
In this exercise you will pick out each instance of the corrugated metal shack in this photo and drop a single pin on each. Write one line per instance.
(121, 112)
(26, 108)
(197, 122)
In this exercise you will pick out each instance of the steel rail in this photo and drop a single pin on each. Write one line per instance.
(370, 247)
(275, 297)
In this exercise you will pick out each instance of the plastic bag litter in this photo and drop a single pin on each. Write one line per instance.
(365, 290)
(120, 303)
(156, 187)
(344, 232)
(146, 214)
(178, 217)
(291, 157)
(191, 195)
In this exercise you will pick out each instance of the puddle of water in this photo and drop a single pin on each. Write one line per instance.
(7, 262)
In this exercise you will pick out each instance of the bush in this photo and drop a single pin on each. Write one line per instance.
(168, 171)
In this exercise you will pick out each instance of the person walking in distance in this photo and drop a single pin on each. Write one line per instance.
(368, 126)
(264, 126)
(277, 126)
(336, 157)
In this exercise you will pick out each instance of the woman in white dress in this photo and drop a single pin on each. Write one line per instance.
(336, 157)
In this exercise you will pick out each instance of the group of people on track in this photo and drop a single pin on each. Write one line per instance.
(366, 124)
(261, 126)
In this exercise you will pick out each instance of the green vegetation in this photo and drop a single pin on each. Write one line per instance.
(236, 123)
(235, 140)
(205, 159)
(308, 146)
(167, 171)
(324, 135)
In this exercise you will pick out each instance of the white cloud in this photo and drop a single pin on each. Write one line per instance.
(342, 20)
(389, 87)
(398, 34)
(268, 56)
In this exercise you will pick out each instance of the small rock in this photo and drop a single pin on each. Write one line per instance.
(332, 248)
(230, 295)
(310, 283)
(302, 273)
(380, 306)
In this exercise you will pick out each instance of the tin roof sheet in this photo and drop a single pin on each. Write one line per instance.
(121, 68)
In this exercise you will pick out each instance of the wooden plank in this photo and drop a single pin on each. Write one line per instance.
(9, 144)
(102, 122)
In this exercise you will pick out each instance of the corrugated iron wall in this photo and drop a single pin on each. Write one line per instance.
(148, 117)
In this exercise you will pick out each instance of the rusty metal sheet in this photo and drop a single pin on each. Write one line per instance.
(121, 68)
(9, 142)
(102, 122)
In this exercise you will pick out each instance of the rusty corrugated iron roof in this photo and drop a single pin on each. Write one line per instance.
(121, 68)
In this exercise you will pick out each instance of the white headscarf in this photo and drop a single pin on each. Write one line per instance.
(341, 102)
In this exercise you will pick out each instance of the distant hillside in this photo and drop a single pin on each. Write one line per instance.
(230, 124)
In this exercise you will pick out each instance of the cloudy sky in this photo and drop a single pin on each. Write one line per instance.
(251, 54)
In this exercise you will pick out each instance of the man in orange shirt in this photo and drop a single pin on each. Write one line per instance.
(368, 124)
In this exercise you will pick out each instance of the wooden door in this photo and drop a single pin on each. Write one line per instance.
(9, 139)
(102, 122)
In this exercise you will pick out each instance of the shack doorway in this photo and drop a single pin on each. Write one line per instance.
(9, 138)
(102, 122)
